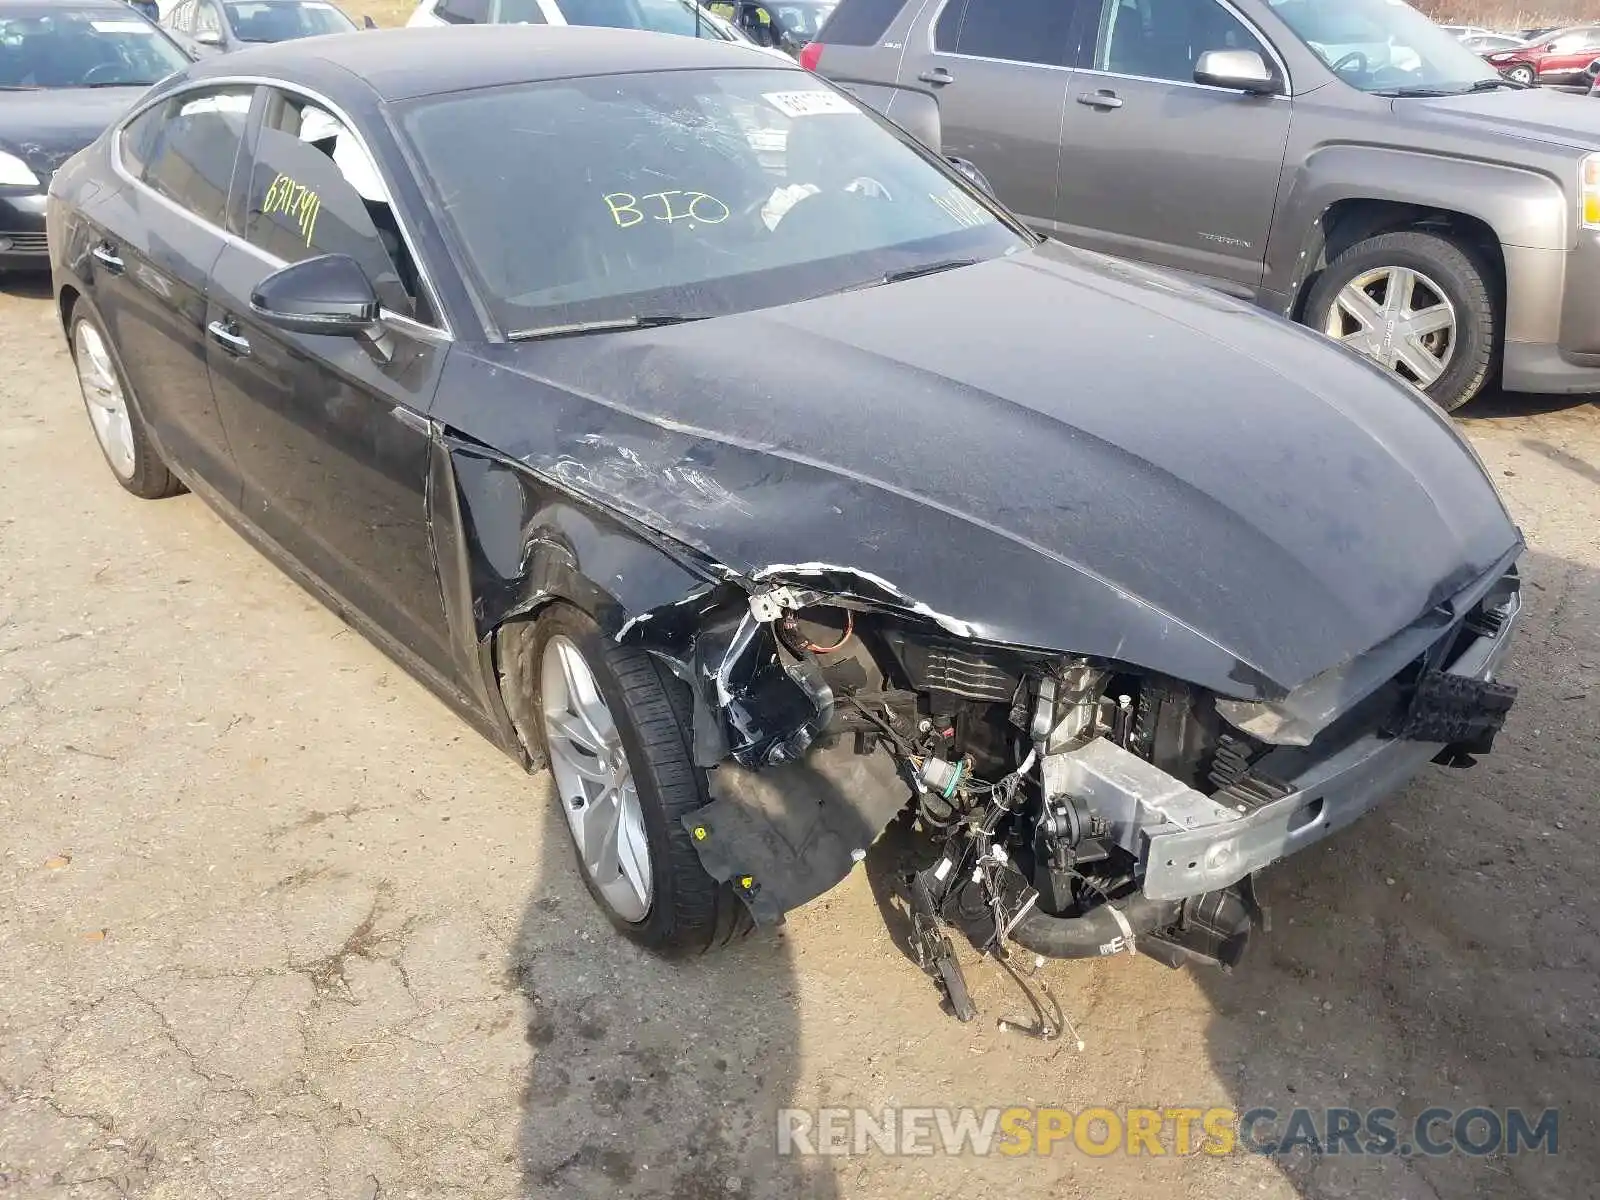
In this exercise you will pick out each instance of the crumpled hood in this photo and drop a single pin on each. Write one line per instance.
(46, 128)
(1534, 114)
(1055, 450)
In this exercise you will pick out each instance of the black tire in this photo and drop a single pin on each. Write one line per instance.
(1523, 74)
(1460, 275)
(690, 912)
(150, 480)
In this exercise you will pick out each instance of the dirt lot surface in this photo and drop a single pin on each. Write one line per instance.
(274, 924)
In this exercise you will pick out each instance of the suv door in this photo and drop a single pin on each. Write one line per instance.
(1155, 166)
(998, 69)
(156, 241)
(330, 432)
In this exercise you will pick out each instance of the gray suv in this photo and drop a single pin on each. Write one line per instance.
(1345, 163)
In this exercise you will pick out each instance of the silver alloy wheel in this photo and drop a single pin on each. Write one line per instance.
(595, 781)
(1400, 318)
(104, 398)
(1522, 74)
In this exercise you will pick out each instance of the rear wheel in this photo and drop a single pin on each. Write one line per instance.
(1416, 303)
(615, 726)
(113, 415)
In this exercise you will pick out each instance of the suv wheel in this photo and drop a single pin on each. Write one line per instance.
(1416, 303)
(1521, 73)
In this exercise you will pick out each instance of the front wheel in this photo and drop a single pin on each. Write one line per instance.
(1522, 74)
(1416, 303)
(616, 729)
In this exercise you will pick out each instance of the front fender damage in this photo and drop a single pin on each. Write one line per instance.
(788, 817)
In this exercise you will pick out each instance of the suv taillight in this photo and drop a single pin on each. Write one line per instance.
(811, 55)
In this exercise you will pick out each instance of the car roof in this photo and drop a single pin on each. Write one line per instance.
(398, 64)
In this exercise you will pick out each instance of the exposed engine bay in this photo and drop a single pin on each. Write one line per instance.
(1070, 806)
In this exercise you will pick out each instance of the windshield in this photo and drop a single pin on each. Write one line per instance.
(1383, 45)
(685, 193)
(275, 21)
(683, 17)
(82, 47)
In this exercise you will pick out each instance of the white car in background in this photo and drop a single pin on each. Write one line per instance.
(684, 17)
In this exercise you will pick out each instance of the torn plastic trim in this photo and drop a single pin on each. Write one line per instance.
(771, 705)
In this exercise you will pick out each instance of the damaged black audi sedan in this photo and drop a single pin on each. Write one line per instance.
(696, 431)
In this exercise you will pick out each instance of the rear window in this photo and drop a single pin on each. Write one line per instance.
(859, 22)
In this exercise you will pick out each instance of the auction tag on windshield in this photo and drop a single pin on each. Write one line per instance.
(120, 27)
(808, 104)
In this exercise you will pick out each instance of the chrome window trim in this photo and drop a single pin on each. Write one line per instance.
(1286, 93)
(442, 330)
(1203, 87)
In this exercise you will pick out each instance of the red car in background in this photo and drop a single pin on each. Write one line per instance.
(1561, 58)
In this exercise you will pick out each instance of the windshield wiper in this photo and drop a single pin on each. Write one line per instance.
(641, 321)
(1417, 93)
(933, 268)
(106, 83)
(20, 87)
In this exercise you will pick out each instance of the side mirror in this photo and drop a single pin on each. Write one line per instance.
(972, 174)
(368, 23)
(329, 294)
(209, 37)
(1243, 70)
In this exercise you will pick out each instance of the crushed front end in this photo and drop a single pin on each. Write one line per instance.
(1074, 806)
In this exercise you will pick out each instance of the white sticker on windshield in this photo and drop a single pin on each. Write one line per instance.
(121, 27)
(808, 104)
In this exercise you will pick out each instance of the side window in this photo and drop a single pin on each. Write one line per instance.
(1163, 39)
(516, 12)
(187, 150)
(463, 12)
(138, 138)
(314, 190)
(947, 30)
(757, 22)
(862, 22)
(1027, 31)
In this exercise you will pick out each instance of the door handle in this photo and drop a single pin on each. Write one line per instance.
(106, 255)
(938, 77)
(1100, 99)
(222, 333)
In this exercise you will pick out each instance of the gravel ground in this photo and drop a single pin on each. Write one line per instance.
(273, 923)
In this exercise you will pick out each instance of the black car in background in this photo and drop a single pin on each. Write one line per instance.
(67, 70)
(228, 25)
(768, 479)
